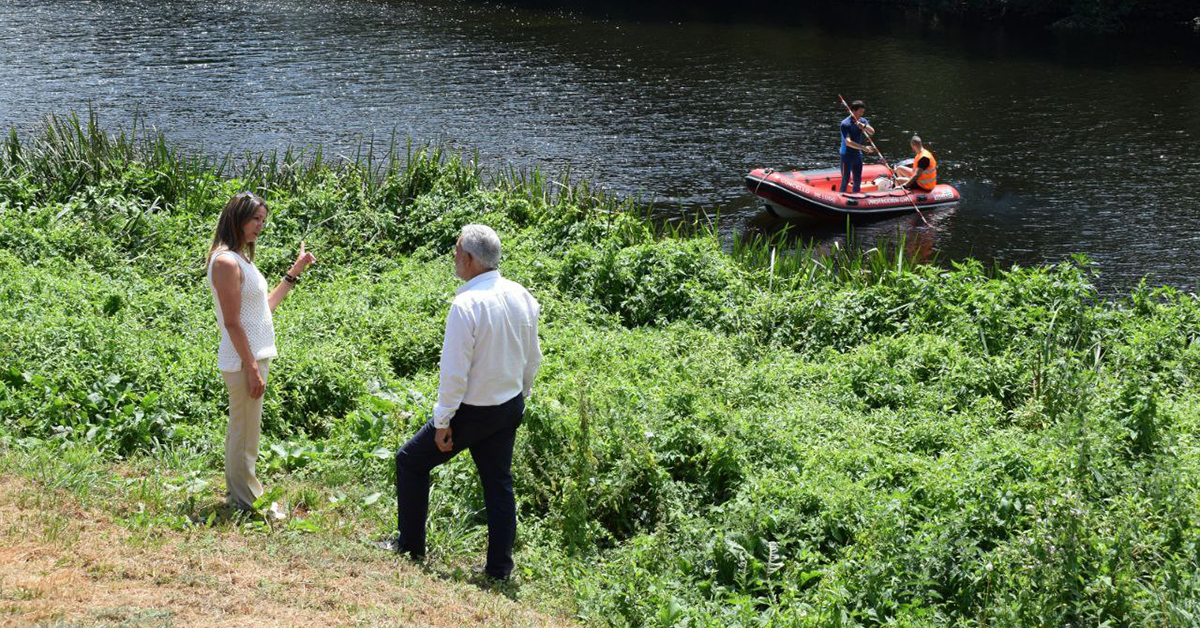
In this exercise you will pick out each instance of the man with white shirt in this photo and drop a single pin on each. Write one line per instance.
(489, 358)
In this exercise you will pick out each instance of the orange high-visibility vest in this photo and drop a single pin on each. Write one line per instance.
(928, 178)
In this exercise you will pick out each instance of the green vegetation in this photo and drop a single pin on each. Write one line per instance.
(714, 439)
(1082, 15)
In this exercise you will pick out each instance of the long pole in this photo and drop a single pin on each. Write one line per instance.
(891, 173)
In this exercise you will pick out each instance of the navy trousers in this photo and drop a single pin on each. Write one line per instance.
(488, 432)
(852, 165)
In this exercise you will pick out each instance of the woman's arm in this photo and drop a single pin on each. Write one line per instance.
(281, 291)
(227, 279)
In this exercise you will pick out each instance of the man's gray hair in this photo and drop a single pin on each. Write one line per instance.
(916, 139)
(482, 243)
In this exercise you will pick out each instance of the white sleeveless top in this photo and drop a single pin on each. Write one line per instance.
(255, 316)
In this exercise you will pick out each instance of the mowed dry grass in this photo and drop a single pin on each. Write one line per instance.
(64, 564)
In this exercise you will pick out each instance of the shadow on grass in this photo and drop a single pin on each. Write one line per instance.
(508, 587)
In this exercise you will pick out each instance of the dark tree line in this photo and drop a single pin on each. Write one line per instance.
(1082, 14)
(1086, 15)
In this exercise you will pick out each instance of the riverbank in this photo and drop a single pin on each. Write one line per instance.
(852, 439)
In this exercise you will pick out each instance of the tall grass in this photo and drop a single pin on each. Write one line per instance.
(67, 155)
(792, 264)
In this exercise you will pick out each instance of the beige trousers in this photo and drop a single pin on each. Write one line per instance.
(241, 439)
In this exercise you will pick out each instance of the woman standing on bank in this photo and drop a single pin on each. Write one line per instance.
(244, 311)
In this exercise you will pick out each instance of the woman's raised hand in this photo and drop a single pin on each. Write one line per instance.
(302, 261)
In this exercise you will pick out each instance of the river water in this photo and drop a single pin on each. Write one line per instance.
(1059, 144)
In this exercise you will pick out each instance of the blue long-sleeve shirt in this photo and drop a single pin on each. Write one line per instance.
(851, 130)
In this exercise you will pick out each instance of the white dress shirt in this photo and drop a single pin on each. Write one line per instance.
(491, 350)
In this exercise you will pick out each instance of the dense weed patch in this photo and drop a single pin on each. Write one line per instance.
(716, 439)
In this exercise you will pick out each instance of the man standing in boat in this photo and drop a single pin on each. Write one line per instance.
(923, 173)
(854, 144)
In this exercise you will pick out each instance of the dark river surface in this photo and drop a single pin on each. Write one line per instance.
(1059, 144)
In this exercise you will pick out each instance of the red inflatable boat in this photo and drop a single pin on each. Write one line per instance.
(815, 193)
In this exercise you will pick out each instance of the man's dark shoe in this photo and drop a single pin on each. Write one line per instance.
(480, 571)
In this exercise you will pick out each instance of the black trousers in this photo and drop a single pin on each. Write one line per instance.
(489, 433)
(913, 187)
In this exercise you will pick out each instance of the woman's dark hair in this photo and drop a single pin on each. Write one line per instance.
(229, 235)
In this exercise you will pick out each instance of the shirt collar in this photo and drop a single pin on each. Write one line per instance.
(475, 281)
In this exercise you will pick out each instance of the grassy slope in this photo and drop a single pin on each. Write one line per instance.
(85, 543)
(854, 440)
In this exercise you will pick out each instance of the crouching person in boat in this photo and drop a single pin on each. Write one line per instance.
(923, 173)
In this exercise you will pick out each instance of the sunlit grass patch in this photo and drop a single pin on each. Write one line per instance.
(124, 560)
